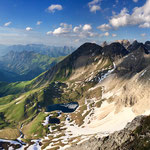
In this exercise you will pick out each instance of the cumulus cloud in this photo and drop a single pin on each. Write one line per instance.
(87, 27)
(104, 27)
(94, 5)
(77, 28)
(54, 7)
(39, 22)
(28, 28)
(145, 25)
(106, 34)
(95, 8)
(81, 31)
(121, 19)
(49, 33)
(63, 29)
(7, 24)
(114, 35)
(140, 16)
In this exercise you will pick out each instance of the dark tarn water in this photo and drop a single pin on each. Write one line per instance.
(65, 108)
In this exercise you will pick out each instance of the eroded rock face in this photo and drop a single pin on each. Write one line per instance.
(134, 137)
(125, 43)
(136, 45)
(114, 51)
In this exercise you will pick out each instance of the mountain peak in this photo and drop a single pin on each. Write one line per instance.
(114, 50)
(134, 46)
(88, 48)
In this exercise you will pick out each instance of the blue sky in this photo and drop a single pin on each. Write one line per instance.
(73, 22)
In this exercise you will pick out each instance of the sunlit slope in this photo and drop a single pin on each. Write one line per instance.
(25, 65)
(22, 102)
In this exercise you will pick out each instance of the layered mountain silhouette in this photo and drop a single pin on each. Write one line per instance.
(52, 51)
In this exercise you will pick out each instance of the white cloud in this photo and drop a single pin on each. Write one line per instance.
(28, 28)
(7, 24)
(94, 8)
(114, 35)
(104, 27)
(76, 40)
(145, 25)
(78, 32)
(39, 22)
(93, 2)
(55, 7)
(87, 27)
(94, 5)
(140, 16)
(77, 28)
(49, 32)
(106, 34)
(135, 1)
(121, 19)
(143, 34)
(62, 30)
(15, 36)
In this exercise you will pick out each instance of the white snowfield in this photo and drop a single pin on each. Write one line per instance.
(46, 121)
(104, 121)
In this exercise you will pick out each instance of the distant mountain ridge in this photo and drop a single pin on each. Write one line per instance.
(24, 62)
(52, 51)
(25, 65)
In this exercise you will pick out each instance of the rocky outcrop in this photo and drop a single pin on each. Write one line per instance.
(147, 45)
(114, 51)
(104, 44)
(125, 43)
(136, 45)
(134, 137)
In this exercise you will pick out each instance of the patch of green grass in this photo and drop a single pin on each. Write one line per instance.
(16, 112)
(13, 88)
(7, 99)
(36, 127)
(2, 121)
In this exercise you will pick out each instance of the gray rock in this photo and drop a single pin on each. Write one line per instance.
(119, 140)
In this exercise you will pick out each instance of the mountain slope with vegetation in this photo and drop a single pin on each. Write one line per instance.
(107, 84)
(21, 66)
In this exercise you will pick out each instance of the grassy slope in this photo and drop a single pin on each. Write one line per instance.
(25, 65)
(21, 103)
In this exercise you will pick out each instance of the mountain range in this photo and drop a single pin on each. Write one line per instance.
(89, 96)
(52, 51)
(24, 65)
(25, 62)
